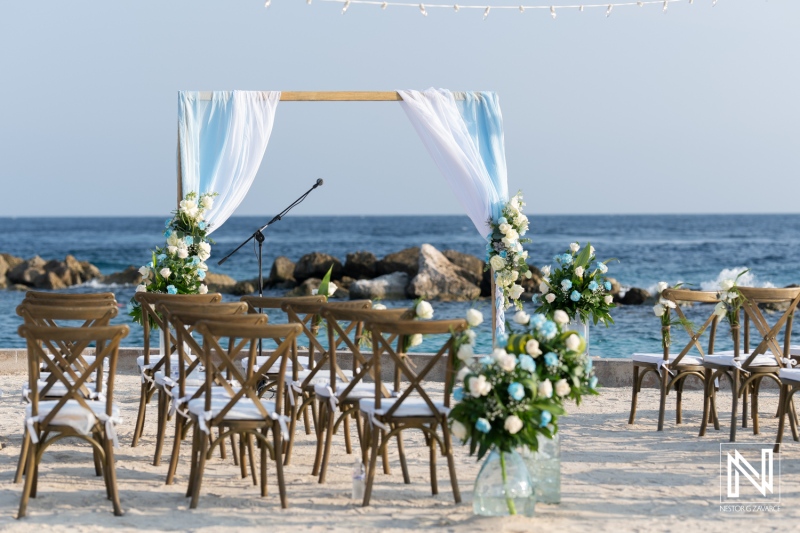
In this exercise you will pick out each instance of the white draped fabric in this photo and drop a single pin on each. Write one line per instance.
(221, 144)
(466, 143)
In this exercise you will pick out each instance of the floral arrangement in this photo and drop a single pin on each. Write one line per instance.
(420, 310)
(179, 266)
(509, 398)
(731, 299)
(504, 253)
(577, 286)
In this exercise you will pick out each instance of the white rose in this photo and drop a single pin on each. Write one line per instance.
(508, 363)
(459, 430)
(546, 271)
(471, 336)
(424, 310)
(474, 318)
(662, 286)
(205, 251)
(207, 202)
(659, 310)
(579, 271)
(145, 272)
(183, 253)
(332, 288)
(314, 292)
(202, 266)
(465, 353)
(172, 250)
(516, 291)
(504, 228)
(378, 307)
(141, 288)
(608, 299)
(203, 289)
(165, 272)
(562, 387)
(478, 386)
(573, 342)
(532, 347)
(514, 275)
(574, 247)
(189, 207)
(173, 240)
(497, 262)
(667, 303)
(514, 203)
(591, 250)
(546, 389)
(726, 284)
(720, 310)
(511, 235)
(544, 287)
(513, 424)
(463, 373)
(550, 298)
(561, 317)
(498, 353)
(415, 340)
(522, 317)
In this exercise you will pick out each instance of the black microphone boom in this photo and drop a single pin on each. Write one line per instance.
(319, 183)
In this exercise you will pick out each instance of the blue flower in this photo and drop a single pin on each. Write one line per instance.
(483, 425)
(458, 394)
(503, 254)
(150, 264)
(538, 320)
(486, 361)
(566, 259)
(171, 289)
(201, 224)
(593, 286)
(201, 274)
(188, 240)
(575, 296)
(161, 257)
(607, 285)
(545, 418)
(549, 329)
(593, 382)
(600, 266)
(195, 260)
(502, 340)
(550, 359)
(527, 363)
(557, 258)
(168, 222)
(167, 232)
(502, 220)
(516, 391)
(566, 284)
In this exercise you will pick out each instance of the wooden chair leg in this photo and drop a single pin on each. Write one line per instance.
(662, 406)
(714, 410)
(385, 454)
(323, 413)
(327, 435)
(263, 468)
(306, 420)
(223, 454)
(735, 402)
(451, 463)
(111, 475)
(162, 410)
(292, 426)
(792, 416)
(432, 449)
(193, 459)
(251, 454)
(402, 453)
(98, 463)
(234, 450)
(176, 450)
(28, 486)
(23, 456)
(139, 427)
(781, 417)
(201, 464)
(745, 400)
(348, 445)
(706, 402)
(278, 445)
(679, 398)
(754, 405)
(242, 456)
(634, 394)
(373, 460)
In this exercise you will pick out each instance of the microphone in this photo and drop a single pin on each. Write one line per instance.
(318, 184)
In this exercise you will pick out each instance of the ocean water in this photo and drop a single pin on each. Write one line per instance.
(696, 249)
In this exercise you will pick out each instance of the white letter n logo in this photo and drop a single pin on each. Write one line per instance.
(762, 481)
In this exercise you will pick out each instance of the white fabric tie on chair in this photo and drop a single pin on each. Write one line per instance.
(201, 421)
(375, 422)
(29, 423)
(661, 364)
(332, 399)
(110, 422)
(788, 361)
(282, 420)
(26, 394)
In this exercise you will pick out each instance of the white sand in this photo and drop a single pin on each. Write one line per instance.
(616, 477)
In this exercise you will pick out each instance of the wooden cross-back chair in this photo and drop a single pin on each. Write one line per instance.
(746, 369)
(168, 382)
(337, 397)
(242, 412)
(673, 366)
(73, 414)
(405, 411)
(184, 319)
(148, 302)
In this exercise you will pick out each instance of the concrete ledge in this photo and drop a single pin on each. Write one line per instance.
(610, 372)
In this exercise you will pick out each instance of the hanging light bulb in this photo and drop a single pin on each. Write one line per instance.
(384, 5)
(346, 5)
(691, 2)
(267, 3)
(666, 4)
(308, 2)
(713, 3)
(553, 12)
(486, 13)
(608, 11)
(422, 10)
(522, 9)
(639, 3)
(456, 8)
(580, 9)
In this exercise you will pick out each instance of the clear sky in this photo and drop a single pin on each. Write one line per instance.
(695, 110)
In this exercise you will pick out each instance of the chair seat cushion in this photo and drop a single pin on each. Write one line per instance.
(74, 415)
(789, 374)
(195, 379)
(360, 390)
(244, 409)
(726, 358)
(655, 358)
(411, 407)
(59, 389)
(794, 350)
(276, 367)
(173, 360)
(321, 377)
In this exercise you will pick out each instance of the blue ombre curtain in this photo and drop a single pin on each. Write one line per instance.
(221, 142)
(465, 139)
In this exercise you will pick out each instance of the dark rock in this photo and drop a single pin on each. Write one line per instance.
(129, 276)
(26, 272)
(633, 296)
(219, 283)
(3, 269)
(18, 287)
(360, 265)
(282, 272)
(531, 285)
(403, 261)
(486, 283)
(440, 279)
(471, 267)
(316, 265)
(244, 287)
(11, 260)
(50, 281)
(345, 282)
(386, 287)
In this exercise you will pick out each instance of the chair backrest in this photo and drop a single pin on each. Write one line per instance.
(406, 328)
(683, 296)
(256, 303)
(778, 298)
(338, 334)
(107, 338)
(244, 338)
(149, 301)
(72, 298)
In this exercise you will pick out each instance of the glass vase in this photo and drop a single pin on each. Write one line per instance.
(545, 468)
(504, 486)
(576, 324)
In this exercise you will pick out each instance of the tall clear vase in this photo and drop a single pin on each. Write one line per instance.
(504, 486)
(576, 324)
(546, 469)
